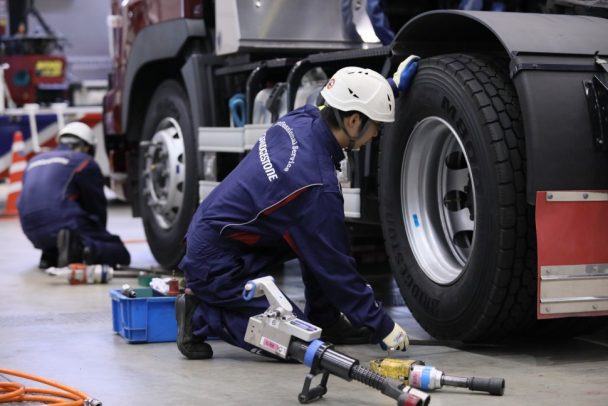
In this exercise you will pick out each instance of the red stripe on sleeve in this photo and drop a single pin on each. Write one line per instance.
(291, 243)
(82, 165)
(283, 202)
(247, 238)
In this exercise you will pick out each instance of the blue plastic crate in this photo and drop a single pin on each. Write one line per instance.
(145, 318)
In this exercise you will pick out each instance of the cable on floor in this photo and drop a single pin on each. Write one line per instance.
(61, 395)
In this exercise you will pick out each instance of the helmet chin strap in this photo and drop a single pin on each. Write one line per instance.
(351, 140)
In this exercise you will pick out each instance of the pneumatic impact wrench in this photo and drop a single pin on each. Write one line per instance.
(279, 332)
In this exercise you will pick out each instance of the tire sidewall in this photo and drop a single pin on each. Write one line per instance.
(170, 100)
(440, 308)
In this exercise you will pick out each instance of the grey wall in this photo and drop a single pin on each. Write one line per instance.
(83, 24)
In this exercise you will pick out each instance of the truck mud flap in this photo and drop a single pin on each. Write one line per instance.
(572, 237)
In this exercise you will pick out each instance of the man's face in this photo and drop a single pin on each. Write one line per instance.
(373, 130)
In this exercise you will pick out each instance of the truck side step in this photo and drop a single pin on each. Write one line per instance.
(230, 139)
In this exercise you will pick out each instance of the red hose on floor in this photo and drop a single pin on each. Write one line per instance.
(61, 396)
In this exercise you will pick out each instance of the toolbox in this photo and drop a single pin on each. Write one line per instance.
(146, 318)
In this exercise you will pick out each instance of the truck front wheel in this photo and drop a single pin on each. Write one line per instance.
(452, 199)
(167, 168)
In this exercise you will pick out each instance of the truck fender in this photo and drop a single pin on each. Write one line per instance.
(550, 57)
(155, 42)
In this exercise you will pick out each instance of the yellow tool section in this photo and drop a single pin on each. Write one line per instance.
(394, 368)
(416, 374)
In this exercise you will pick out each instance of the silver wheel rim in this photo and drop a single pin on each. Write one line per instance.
(165, 172)
(438, 200)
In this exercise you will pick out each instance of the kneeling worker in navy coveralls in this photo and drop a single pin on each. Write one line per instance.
(62, 207)
(283, 201)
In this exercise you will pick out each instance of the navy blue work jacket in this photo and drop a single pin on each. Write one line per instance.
(283, 199)
(61, 189)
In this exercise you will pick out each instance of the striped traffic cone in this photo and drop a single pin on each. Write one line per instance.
(15, 174)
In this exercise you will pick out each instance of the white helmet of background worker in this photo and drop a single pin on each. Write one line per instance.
(76, 130)
(362, 90)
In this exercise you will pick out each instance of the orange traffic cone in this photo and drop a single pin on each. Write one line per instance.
(15, 174)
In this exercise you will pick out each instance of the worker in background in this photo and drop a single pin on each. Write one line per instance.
(379, 20)
(62, 206)
(283, 201)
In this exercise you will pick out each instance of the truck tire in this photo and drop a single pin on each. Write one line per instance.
(167, 172)
(458, 230)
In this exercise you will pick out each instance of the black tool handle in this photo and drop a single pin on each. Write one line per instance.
(494, 386)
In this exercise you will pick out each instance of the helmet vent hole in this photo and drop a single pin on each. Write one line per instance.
(352, 93)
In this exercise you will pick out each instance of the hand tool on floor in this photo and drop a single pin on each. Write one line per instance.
(418, 375)
(81, 274)
(395, 368)
(281, 333)
(428, 378)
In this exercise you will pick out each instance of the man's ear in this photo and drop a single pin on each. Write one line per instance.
(352, 120)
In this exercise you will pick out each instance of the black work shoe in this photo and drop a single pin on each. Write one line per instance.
(69, 248)
(342, 332)
(48, 259)
(189, 345)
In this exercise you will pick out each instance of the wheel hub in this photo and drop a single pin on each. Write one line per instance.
(164, 172)
(438, 200)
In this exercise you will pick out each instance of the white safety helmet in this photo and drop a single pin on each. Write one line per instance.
(362, 90)
(78, 130)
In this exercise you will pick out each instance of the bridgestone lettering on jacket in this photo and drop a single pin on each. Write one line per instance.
(265, 160)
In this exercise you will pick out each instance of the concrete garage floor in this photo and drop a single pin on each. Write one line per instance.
(64, 333)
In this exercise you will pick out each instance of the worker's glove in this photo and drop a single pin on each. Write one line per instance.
(405, 72)
(396, 339)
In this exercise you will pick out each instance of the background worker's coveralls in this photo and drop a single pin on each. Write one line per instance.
(283, 200)
(64, 189)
